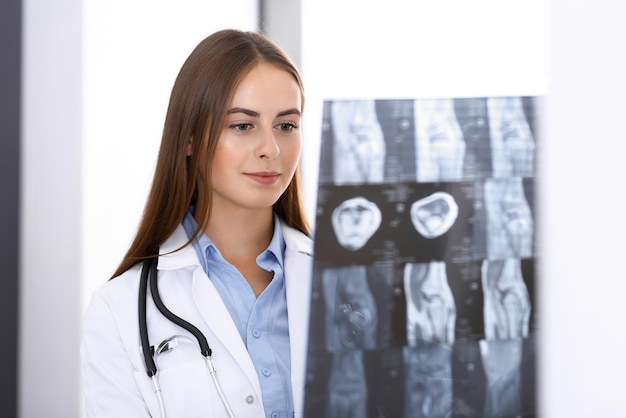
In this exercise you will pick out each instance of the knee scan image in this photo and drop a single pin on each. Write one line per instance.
(434, 215)
(359, 146)
(355, 221)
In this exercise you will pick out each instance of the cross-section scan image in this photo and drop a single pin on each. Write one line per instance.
(434, 215)
(355, 221)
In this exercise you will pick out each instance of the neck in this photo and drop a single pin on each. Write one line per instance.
(240, 235)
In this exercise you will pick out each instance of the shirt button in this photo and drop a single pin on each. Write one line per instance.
(249, 399)
(274, 414)
(266, 371)
(256, 333)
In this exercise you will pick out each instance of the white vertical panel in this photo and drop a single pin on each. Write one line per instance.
(50, 232)
(583, 206)
(281, 23)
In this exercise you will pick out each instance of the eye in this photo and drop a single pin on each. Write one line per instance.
(241, 127)
(286, 126)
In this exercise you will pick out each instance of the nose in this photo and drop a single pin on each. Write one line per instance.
(268, 148)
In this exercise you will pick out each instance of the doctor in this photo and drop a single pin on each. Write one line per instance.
(226, 223)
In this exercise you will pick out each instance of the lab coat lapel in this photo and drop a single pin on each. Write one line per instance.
(298, 293)
(222, 327)
(298, 264)
(207, 299)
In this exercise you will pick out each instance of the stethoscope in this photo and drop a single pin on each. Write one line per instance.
(149, 274)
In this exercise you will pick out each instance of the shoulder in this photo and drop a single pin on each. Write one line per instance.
(108, 328)
(119, 296)
(114, 301)
(125, 284)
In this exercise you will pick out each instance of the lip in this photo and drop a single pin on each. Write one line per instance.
(264, 177)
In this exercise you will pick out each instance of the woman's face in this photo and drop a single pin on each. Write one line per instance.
(259, 148)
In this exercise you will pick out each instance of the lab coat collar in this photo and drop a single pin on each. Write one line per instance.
(296, 241)
(173, 256)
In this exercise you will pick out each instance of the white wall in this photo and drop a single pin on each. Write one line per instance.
(132, 52)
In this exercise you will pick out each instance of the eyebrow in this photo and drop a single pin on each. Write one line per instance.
(255, 114)
(293, 111)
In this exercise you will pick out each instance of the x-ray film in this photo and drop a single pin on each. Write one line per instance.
(423, 300)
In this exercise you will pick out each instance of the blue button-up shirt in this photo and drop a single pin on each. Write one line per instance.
(261, 322)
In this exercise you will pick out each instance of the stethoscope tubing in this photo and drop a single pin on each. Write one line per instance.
(149, 276)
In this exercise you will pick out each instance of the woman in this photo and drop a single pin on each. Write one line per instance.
(226, 223)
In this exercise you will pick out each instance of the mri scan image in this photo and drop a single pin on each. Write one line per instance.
(431, 310)
(351, 319)
(355, 221)
(501, 364)
(506, 299)
(510, 225)
(359, 146)
(428, 381)
(512, 142)
(473, 117)
(440, 144)
(347, 386)
(351, 315)
(434, 215)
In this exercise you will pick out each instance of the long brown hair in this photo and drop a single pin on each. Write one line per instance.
(198, 104)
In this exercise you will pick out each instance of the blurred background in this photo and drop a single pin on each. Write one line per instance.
(84, 90)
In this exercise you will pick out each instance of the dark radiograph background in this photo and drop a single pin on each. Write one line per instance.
(424, 272)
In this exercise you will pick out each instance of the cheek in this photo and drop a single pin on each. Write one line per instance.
(219, 169)
(225, 155)
(292, 152)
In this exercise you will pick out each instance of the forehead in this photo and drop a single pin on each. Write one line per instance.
(268, 85)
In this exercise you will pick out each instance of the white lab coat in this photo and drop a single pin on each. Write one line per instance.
(115, 382)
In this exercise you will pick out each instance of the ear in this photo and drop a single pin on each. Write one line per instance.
(189, 148)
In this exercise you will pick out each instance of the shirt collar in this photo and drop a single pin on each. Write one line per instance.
(202, 242)
(277, 245)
